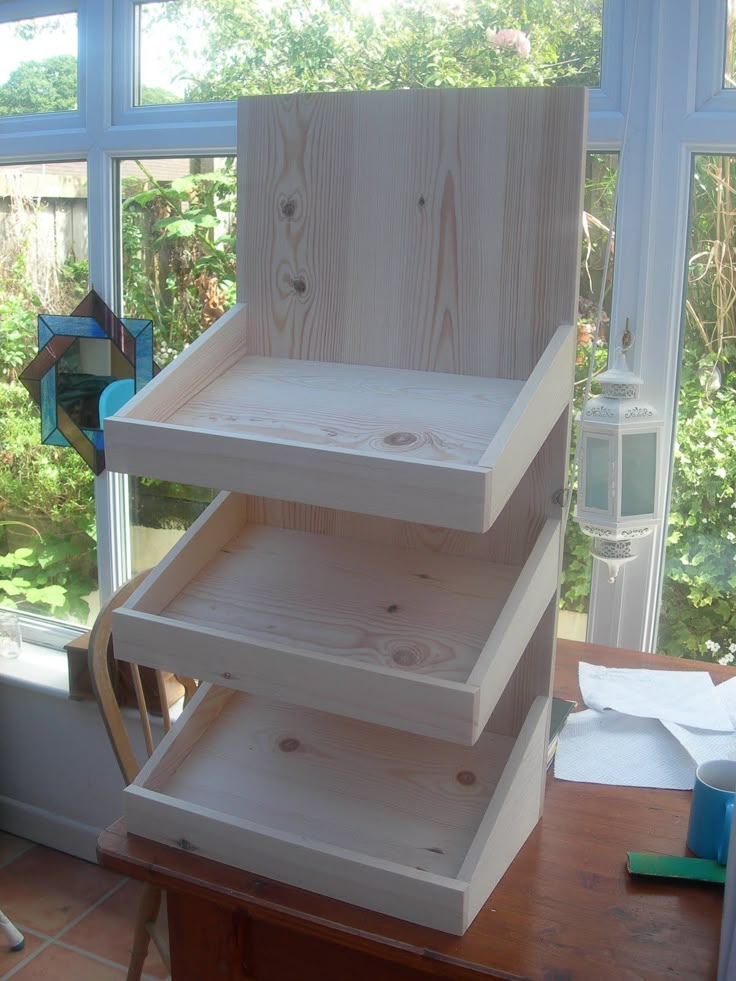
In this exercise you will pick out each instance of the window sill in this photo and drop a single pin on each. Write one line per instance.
(42, 668)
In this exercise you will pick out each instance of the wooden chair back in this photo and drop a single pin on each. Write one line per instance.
(101, 668)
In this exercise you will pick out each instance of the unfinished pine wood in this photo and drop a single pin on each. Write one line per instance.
(419, 415)
(411, 229)
(355, 811)
(410, 638)
(392, 395)
(430, 231)
(351, 435)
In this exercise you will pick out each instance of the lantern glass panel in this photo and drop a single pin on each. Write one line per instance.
(638, 473)
(597, 473)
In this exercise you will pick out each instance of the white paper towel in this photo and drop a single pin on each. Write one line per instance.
(646, 728)
(611, 748)
(688, 698)
(703, 745)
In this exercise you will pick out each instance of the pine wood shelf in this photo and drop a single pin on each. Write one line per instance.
(440, 448)
(393, 822)
(387, 408)
(419, 640)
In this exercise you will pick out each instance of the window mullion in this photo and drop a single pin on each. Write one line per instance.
(111, 490)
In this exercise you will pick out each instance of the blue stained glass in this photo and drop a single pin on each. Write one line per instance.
(73, 326)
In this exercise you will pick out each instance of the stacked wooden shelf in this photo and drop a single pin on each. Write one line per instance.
(432, 447)
(386, 409)
(414, 639)
(406, 825)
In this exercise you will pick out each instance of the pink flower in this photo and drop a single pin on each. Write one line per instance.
(509, 37)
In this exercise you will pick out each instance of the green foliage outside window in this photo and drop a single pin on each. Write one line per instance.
(698, 614)
(47, 524)
(40, 86)
(333, 45)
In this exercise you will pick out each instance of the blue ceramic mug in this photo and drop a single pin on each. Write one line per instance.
(711, 811)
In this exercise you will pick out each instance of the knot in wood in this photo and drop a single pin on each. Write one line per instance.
(400, 439)
(466, 778)
(421, 202)
(226, 675)
(392, 609)
(288, 208)
(407, 657)
(300, 285)
(185, 845)
(289, 745)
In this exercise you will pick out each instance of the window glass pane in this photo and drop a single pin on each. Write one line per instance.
(698, 612)
(729, 69)
(595, 462)
(638, 473)
(198, 53)
(47, 524)
(178, 270)
(38, 71)
(601, 171)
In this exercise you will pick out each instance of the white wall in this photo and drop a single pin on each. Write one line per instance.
(59, 781)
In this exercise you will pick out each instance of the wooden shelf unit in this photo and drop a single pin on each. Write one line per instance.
(402, 824)
(406, 637)
(388, 406)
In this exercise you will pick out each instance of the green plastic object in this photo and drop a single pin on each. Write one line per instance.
(675, 867)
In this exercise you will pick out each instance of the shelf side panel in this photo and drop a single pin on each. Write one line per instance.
(192, 371)
(518, 622)
(514, 811)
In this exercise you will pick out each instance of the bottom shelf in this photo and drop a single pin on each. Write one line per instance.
(414, 827)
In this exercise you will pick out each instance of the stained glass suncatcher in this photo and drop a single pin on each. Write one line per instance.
(67, 395)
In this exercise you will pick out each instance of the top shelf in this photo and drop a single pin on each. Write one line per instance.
(428, 447)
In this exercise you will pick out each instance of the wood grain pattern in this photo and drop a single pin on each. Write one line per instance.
(416, 703)
(329, 803)
(346, 783)
(218, 942)
(408, 637)
(421, 230)
(407, 611)
(415, 415)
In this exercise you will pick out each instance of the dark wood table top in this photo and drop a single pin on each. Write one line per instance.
(566, 910)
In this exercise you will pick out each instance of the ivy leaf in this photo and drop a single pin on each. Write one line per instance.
(177, 227)
(15, 586)
(50, 595)
(183, 185)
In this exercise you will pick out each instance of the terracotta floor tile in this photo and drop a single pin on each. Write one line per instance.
(11, 847)
(57, 964)
(10, 960)
(46, 890)
(108, 930)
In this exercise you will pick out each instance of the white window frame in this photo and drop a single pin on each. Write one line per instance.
(678, 108)
(659, 62)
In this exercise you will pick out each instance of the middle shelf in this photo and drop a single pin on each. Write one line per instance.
(405, 637)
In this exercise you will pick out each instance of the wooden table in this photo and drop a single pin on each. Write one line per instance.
(565, 911)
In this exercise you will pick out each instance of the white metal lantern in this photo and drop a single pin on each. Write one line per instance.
(618, 489)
